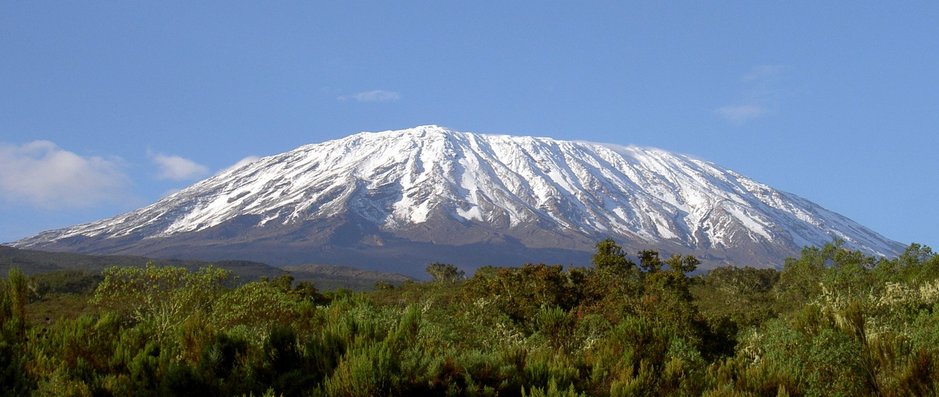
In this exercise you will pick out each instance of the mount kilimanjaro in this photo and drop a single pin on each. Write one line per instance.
(397, 200)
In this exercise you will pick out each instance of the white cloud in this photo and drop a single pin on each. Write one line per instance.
(44, 175)
(741, 113)
(246, 160)
(763, 73)
(241, 163)
(372, 96)
(176, 168)
(758, 95)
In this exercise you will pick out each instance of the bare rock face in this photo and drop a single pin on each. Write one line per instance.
(397, 200)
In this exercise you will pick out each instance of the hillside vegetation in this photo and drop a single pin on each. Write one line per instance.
(832, 322)
(67, 264)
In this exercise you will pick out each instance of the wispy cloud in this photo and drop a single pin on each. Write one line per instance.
(758, 95)
(241, 163)
(741, 113)
(372, 96)
(763, 73)
(244, 161)
(176, 168)
(44, 175)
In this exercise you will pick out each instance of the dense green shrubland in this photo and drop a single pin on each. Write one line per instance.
(831, 322)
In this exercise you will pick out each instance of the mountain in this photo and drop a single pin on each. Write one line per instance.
(397, 200)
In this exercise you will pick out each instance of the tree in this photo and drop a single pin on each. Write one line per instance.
(18, 287)
(682, 264)
(445, 273)
(667, 298)
(13, 378)
(743, 295)
(649, 261)
(610, 255)
(162, 296)
(257, 305)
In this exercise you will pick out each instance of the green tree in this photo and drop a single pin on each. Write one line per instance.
(649, 261)
(18, 289)
(611, 255)
(13, 295)
(258, 305)
(682, 264)
(742, 295)
(445, 273)
(163, 297)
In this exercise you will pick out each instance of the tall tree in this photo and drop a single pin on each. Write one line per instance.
(610, 255)
(18, 287)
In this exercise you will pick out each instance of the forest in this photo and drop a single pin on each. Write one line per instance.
(831, 322)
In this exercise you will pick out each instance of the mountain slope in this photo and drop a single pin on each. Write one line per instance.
(408, 197)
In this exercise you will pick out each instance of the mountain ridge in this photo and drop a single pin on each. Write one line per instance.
(449, 194)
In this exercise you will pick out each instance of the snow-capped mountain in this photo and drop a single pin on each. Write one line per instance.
(401, 199)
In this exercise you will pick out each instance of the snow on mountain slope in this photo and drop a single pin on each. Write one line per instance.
(431, 178)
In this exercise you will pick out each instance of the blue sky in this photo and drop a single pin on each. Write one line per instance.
(107, 106)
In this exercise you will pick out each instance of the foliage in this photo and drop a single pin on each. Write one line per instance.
(162, 297)
(831, 322)
(610, 255)
(445, 273)
(13, 293)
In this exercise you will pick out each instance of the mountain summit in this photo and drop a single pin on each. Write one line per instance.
(397, 200)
